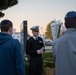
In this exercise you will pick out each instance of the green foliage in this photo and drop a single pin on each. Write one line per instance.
(1, 14)
(48, 56)
(49, 64)
(48, 60)
(4, 4)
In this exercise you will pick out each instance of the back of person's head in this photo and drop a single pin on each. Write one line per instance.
(70, 19)
(5, 25)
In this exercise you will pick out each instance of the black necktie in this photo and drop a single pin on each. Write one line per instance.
(36, 38)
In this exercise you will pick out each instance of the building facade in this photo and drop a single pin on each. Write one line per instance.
(16, 35)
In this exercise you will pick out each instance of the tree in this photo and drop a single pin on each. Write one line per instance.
(5, 4)
(48, 32)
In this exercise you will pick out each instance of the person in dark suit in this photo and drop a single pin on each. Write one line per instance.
(35, 48)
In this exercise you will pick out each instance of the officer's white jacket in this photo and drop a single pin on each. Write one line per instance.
(64, 51)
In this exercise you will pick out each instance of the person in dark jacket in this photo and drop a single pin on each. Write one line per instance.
(11, 56)
(35, 48)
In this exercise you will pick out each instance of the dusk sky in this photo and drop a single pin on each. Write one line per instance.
(38, 12)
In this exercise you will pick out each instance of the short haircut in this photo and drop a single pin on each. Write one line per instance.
(5, 25)
(70, 22)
